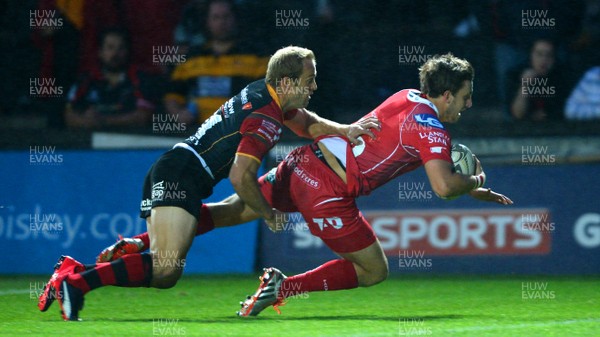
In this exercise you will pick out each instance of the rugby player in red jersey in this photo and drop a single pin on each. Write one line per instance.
(231, 143)
(322, 180)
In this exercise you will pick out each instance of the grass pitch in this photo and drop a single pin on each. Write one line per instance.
(413, 306)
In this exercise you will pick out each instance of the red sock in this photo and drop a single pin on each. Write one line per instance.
(205, 225)
(132, 270)
(333, 275)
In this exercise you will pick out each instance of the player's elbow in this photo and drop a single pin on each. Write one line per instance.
(442, 189)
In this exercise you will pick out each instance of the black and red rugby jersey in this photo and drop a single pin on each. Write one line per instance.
(248, 124)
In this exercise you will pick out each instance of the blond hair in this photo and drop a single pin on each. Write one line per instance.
(287, 62)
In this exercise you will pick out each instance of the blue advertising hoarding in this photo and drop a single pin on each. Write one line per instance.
(552, 228)
(57, 202)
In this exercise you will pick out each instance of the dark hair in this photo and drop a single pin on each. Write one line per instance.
(124, 34)
(444, 72)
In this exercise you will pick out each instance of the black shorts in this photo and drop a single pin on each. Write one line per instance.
(177, 179)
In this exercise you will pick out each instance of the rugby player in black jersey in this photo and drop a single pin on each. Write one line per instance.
(231, 143)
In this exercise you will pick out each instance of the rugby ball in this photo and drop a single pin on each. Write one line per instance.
(463, 160)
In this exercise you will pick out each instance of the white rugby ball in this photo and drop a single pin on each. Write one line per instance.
(463, 160)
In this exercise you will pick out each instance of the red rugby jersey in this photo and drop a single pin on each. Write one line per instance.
(411, 134)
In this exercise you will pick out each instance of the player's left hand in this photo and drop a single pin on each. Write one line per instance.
(486, 194)
(362, 127)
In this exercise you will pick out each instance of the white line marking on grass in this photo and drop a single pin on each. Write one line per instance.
(13, 292)
(523, 325)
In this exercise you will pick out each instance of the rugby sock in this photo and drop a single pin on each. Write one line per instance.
(90, 266)
(132, 270)
(205, 225)
(333, 275)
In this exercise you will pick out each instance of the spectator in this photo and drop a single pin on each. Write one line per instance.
(58, 46)
(584, 101)
(189, 32)
(214, 71)
(113, 94)
(515, 25)
(538, 90)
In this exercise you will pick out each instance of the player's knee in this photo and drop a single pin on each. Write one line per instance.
(165, 278)
(377, 273)
(382, 273)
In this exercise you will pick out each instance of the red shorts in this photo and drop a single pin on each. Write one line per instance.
(303, 183)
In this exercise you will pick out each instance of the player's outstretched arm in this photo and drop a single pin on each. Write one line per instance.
(310, 125)
(486, 194)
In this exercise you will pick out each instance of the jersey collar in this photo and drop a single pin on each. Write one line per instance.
(274, 95)
(429, 103)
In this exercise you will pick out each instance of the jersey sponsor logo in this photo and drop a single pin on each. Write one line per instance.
(307, 178)
(435, 137)
(464, 232)
(207, 125)
(436, 149)
(428, 120)
(146, 205)
(270, 131)
(244, 96)
(158, 190)
(227, 108)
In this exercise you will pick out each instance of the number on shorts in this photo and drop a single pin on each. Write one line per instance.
(334, 222)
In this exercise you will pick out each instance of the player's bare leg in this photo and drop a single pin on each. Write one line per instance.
(172, 231)
(371, 264)
(229, 212)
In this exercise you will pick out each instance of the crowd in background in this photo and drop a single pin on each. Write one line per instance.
(121, 62)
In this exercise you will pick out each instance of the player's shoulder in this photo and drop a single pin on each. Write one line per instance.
(409, 97)
(255, 95)
(421, 112)
(259, 101)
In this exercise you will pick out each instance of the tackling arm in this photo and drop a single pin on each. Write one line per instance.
(310, 125)
(243, 177)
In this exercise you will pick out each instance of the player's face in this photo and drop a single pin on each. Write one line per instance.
(303, 87)
(459, 102)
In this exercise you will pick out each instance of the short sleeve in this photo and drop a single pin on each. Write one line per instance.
(259, 134)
